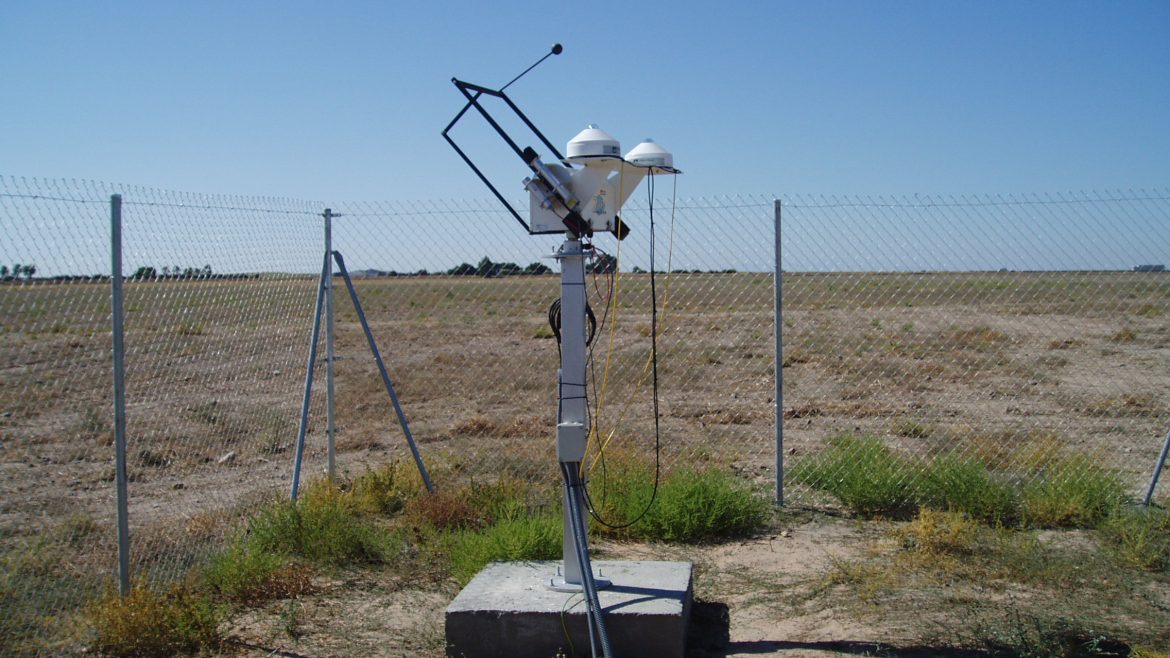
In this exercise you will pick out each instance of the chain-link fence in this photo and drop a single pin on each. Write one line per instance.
(994, 329)
(1026, 336)
(218, 306)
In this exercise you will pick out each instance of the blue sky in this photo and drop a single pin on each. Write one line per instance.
(345, 100)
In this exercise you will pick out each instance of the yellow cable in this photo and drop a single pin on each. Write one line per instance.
(665, 303)
(593, 430)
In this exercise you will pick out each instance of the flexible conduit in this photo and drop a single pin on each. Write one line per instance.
(573, 486)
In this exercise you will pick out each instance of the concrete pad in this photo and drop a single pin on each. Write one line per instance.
(508, 611)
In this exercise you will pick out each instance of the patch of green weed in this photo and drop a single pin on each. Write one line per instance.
(694, 506)
(1141, 536)
(385, 490)
(248, 575)
(1028, 635)
(967, 486)
(322, 527)
(690, 505)
(861, 472)
(523, 538)
(1074, 492)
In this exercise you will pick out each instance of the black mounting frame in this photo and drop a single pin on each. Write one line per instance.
(473, 92)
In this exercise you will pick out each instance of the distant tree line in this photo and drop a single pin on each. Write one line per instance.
(488, 269)
(18, 271)
(176, 273)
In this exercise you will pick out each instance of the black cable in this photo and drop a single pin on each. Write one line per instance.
(654, 378)
(554, 322)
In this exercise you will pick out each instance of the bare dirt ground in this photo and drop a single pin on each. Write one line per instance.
(932, 363)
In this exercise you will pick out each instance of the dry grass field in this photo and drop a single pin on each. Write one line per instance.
(984, 364)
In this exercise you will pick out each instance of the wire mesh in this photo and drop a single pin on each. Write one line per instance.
(1026, 335)
(218, 300)
(1012, 332)
(461, 297)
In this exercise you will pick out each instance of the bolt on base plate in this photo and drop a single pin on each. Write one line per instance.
(559, 584)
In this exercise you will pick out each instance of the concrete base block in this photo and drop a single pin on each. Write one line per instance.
(508, 611)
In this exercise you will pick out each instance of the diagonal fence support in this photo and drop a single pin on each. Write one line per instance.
(1157, 471)
(322, 287)
(357, 305)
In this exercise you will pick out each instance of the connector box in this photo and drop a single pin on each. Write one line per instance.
(570, 442)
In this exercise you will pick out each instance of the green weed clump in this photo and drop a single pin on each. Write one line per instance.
(521, 538)
(967, 486)
(146, 623)
(1061, 491)
(1141, 536)
(247, 575)
(321, 527)
(385, 490)
(274, 557)
(694, 506)
(1072, 493)
(861, 472)
(690, 506)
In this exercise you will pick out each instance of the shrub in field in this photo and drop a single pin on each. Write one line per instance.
(694, 506)
(386, 489)
(246, 574)
(861, 472)
(471, 506)
(272, 558)
(1141, 536)
(522, 538)
(321, 527)
(1072, 492)
(934, 533)
(691, 505)
(966, 486)
(146, 623)
(1035, 636)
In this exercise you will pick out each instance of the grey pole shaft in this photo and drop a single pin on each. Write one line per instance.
(778, 320)
(330, 424)
(357, 306)
(117, 314)
(1157, 471)
(304, 426)
(572, 405)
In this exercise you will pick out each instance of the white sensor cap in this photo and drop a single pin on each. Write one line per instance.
(593, 142)
(650, 154)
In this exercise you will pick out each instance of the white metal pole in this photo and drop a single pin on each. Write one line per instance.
(117, 314)
(778, 394)
(571, 424)
(330, 426)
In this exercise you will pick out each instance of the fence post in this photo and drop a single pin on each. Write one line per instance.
(117, 318)
(329, 407)
(778, 320)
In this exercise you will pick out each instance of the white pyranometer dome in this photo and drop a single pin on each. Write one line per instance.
(650, 154)
(593, 142)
